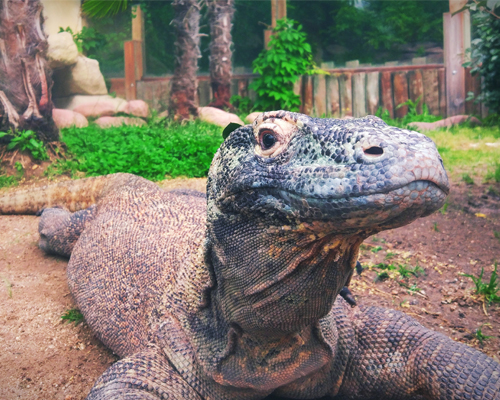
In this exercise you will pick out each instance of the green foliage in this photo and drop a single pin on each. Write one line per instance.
(490, 289)
(435, 227)
(243, 105)
(376, 249)
(88, 41)
(288, 57)
(151, 151)
(480, 336)
(412, 116)
(485, 51)
(27, 141)
(493, 175)
(73, 315)
(101, 9)
(467, 179)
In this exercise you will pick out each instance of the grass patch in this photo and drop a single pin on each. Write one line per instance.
(150, 151)
(480, 336)
(487, 289)
(73, 315)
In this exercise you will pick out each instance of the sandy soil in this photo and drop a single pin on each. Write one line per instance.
(42, 357)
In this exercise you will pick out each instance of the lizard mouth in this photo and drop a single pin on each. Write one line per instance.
(394, 207)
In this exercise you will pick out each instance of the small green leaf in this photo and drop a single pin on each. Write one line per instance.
(232, 126)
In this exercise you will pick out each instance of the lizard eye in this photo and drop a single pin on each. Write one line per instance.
(267, 139)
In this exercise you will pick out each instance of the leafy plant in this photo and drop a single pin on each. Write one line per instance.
(467, 179)
(435, 227)
(27, 141)
(485, 50)
(443, 209)
(73, 315)
(88, 40)
(389, 255)
(279, 67)
(376, 249)
(413, 114)
(480, 336)
(494, 175)
(242, 104)
(150, 151)
(488, 290)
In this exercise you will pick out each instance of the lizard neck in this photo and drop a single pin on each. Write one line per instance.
(274, 281)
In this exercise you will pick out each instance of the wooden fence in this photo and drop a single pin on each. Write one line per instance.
(343, 92)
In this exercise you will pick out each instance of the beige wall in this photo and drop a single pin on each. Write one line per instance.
(62, 13)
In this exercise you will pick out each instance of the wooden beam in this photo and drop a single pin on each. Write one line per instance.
(400, 93)
(453, 59)
(133, 69)
(372, 92)
(386, 92)
(359, 97)
(319, 95)
(345, 84)
(138, 34)
(332, 96)
(307, 95)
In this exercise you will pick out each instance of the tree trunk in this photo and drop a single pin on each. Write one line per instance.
(25, 78)
(187, 51)
(221, 15)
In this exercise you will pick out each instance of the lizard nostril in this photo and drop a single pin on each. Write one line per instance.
(374, 151)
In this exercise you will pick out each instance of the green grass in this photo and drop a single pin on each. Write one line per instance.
(73, 315)
(151, 151)
(480, 336)
(487, 289)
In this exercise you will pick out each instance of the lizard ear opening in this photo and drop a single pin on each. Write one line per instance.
(232, 126)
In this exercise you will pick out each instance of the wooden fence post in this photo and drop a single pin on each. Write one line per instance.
(400, 93)
(307, 95)
(431, 90)
(416, 88)
(133, 69)
(332, 96)
(345, 84)
(372, 92)
(386, 90)
(453, 59)
(359, 98)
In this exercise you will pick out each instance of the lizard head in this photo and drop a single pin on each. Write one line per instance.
(353, 175)
(290, 199)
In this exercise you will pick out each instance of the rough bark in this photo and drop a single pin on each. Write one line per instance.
(25, 78)
(187, 50)
(221, 14)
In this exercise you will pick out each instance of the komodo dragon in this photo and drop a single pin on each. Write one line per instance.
(235, 296)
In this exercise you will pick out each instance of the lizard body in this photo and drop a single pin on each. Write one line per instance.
(236, 296)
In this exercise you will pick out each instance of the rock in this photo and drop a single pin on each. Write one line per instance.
(107, 122)
(219, 117)
(94, 103)
(444, 123)
(68, 118)
(252, 117)
(62, 50)
(83, 77)
(139, 108)
(163, 114)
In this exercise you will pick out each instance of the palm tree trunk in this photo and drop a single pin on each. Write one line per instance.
(25, 79)
(187, 50)
(221, 15)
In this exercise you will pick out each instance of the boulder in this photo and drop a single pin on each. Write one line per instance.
(444, 123)
(91, 106)
(68, 118)
(219, 117)
(252, 117)
(83, 77)
(61, 51)
(107, 122)
(139, 108)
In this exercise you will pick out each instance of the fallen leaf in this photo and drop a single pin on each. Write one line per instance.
(480, 215)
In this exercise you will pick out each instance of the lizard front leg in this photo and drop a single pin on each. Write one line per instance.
(396, 357)
(60, 229)
(146, 375)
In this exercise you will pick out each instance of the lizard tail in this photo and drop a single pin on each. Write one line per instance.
(72, 195)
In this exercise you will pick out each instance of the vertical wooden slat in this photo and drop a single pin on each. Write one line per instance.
(332, 96)
(319, 95)
(416, 88)
(130, 70)
(204, 94)
(297, 86)
(243, 87)
(372, 92)
(442, 92)
(359, 98)
(345, 84)
(453, 60)
(386, 92)
(307, 95)
(400, 93)
(139, 35)
(472, 84)
(431, 90)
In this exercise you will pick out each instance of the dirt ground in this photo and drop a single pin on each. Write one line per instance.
(42, 357)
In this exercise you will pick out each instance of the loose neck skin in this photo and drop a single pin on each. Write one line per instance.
(273, 286)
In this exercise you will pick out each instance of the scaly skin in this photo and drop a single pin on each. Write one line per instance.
(236, 296)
